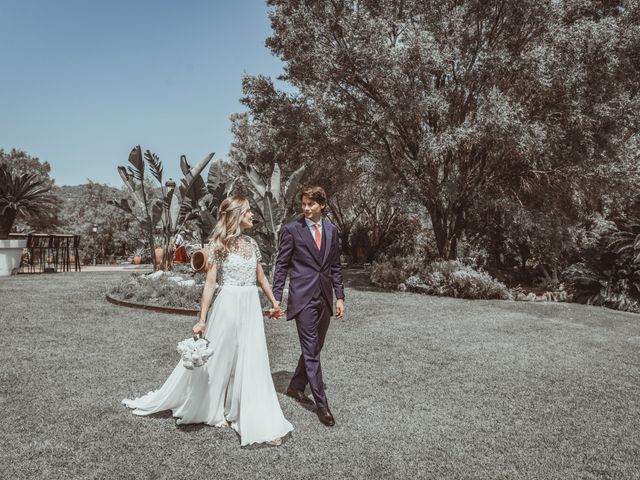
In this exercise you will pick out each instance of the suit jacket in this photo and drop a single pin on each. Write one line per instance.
(307, 266)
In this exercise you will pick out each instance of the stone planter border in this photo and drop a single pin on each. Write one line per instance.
(154, 308)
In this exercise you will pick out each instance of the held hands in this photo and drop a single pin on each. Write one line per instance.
(340, 308)
(276, 312)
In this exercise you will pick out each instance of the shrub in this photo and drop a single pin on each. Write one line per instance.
(160, 291)
(475, 256)
(386, 275)
(449, 278)
(452, 278)
(391, 272)
(608, 271)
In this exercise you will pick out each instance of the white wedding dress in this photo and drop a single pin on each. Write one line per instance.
(235, 385)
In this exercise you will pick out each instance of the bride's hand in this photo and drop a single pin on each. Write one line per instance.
(278, 312)
(275, 312)
(198, 329)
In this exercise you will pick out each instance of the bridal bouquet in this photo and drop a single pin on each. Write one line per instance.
(195, 352)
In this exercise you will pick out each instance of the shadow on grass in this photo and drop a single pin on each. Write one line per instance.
(191, 427)
(281, 381)
(358, 279)
(186, 428)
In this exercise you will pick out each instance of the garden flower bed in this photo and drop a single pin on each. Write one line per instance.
(161, 289)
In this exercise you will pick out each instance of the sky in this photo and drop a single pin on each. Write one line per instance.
(84, 81)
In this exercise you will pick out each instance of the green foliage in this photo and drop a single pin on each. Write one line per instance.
(83, 207)
(273, 202)
(391, 272)
(387, 274)
(626, 241)
(22, 195)
(608, 270)
(169, 213)
(384, 232)
(202, 201)
(20, 163)
(281, 128)
(452, 278)
(449, 278)
(160, 292)
(455, 97)
(532, 233)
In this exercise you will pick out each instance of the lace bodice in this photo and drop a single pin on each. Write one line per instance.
(238, 265)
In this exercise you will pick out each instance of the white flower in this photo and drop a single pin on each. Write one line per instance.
(195, 353)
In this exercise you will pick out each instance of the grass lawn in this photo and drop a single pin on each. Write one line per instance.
(421, 387)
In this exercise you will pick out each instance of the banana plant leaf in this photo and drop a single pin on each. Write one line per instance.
(213, 176)
(156, 212)
(217, 191)
(191, 205)
(269, 213)
(256, 180)
(184, 164)
(168, 198)
(135, 159)
(292, 185)
(275, 183)
(207, 222)
(123, 204)
(191, 174)
(155, 165)
(230, 186)
(132, 186)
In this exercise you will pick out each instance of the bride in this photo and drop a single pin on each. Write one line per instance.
(235, 386)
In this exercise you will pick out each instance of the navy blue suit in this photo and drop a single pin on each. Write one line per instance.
(314, 275)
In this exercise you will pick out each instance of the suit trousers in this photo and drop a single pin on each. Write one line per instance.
(312, 323)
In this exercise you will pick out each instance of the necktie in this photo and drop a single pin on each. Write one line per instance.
(318, 237)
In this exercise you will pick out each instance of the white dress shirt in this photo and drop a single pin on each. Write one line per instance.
(311, 224)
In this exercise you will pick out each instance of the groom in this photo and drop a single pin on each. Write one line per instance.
(309, 254)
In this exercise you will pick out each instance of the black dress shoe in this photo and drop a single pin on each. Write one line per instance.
(324, 415)
(299, 396)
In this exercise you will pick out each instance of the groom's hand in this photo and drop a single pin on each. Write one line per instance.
(340, 308)
(276, 312)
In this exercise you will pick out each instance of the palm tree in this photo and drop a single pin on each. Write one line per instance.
(23, 195)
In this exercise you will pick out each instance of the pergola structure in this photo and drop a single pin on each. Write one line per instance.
(49, 253)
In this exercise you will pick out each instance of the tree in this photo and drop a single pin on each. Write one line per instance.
(21, 195)
(167, 213)
(369, 211)
(282, 129)
(455, 96)
(84, 207)
(21, 163)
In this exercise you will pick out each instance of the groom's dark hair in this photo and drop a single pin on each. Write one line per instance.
(315, 193)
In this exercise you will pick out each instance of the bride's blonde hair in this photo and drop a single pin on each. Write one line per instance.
(227, 227)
